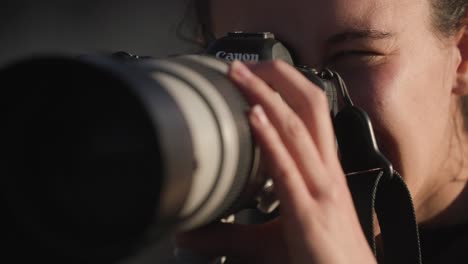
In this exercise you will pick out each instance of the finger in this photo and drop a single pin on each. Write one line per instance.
(289, 126)
(305, 98)
(289, 183)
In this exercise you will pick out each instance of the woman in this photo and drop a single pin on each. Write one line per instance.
(405, 63)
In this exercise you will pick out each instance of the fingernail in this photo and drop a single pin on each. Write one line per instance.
(259, 114)
(240, 70)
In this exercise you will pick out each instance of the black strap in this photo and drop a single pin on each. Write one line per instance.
(375, 186)
(391, 200)
(373, 183)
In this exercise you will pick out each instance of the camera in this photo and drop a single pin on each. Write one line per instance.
(108, 153)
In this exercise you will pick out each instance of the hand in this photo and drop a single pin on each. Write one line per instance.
(318, 222)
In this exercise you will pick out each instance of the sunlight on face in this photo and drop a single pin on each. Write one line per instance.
(394, 65)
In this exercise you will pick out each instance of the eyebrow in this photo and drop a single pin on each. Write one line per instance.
(359, 34)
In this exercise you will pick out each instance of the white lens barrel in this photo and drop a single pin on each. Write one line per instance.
(214, 136)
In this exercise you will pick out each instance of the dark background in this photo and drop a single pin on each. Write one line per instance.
(143, 27)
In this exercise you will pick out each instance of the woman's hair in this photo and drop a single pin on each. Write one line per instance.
(448, 16)
(195, 26)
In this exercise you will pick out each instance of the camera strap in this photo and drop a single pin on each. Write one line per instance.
(392, 203)
(375, 186)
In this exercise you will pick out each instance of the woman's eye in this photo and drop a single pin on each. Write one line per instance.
(353, 56)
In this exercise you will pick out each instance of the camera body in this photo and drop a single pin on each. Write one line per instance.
(263, 46)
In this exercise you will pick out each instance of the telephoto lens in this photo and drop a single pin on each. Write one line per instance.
(103, 155)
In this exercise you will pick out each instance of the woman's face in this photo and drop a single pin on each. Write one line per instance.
(395, 66)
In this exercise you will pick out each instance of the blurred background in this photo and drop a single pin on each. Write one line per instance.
(143, 27)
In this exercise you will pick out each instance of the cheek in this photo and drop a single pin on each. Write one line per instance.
(409, 106)
(373, 89)
(397, 93)
(377, 90)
